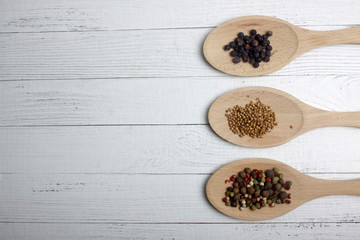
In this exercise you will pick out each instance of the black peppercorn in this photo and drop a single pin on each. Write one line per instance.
(247, 170)
(265, 193)
(233, 53)
(269, 47)
(233, 204)
(269, 173)
(230, 189)
(227, 47)
(236, 60)
(266, 59)
(236, 190)
(253, 32)
(251, 190)
(252, 61)
(243, 190)
(241, 35)
(269, 33)
(254, 43)
(242, 174)
(235, 184)
(246, 37)
(239, 179)
(268, 185)
(245, 59)
(283, 195)
(232, 44)
(256, 65)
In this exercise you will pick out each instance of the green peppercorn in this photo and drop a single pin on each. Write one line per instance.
(263, 205)
(232, 194)
(276, 170)
(253, 208)
(227, 193)
(281, 175)
(278, 186)
(288, 183)
(227, 203)
(269, 201)
(275, 180)
(263, 179)
(278, 201)
(258, 205)
(256, 182)
(237, 196)
(235, 184)
(250, 205)
(257, 193)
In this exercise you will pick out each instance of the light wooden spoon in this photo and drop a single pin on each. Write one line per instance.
(293, 116)
(288, 42)
(303, 189)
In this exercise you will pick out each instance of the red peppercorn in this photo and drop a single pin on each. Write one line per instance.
(234, 176)
(232, 179)
(276, 174)
(268, 179)
(241, 196)
(289, 196)
(227, 181)
(259, 175)
(248, 175)
(283, 185)
(262, 202)
(288, 201)
(255, 196)
(246, 179)
(244, 184)
(224, 199)
(287, 188)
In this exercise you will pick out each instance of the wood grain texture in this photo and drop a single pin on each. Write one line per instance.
(153, 100)
(303, 189)
(293, 117)
(164, 149)
(59, 231)
(139, 198)
(288, 43)
(117, 54)
(84, 15)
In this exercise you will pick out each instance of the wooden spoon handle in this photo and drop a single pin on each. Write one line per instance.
(319, 118)
(322, 187)
(313, 39)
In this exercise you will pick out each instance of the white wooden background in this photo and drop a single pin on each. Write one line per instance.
(103, 129)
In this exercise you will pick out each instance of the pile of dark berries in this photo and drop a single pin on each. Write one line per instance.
(253, 49)
(256, 189)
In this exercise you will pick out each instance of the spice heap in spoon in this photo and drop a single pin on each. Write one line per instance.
(253, 49)
(254, 120)
(256, 189)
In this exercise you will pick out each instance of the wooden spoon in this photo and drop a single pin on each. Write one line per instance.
(303, 189)
(288, 42)
(293, 116)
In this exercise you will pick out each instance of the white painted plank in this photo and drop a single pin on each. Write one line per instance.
(157, 53)
(84, 15)
(154, 101)
(164, 149)
(58, 231)
(124, 198)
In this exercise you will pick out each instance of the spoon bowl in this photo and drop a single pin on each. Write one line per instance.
(293, 116)
(303, 189)
(288, 42)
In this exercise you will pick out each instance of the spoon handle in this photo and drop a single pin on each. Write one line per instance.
(320, 118)
(313, 39)
(322, 187)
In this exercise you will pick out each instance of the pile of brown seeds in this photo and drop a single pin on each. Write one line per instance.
(255, 189)
(254, 120)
